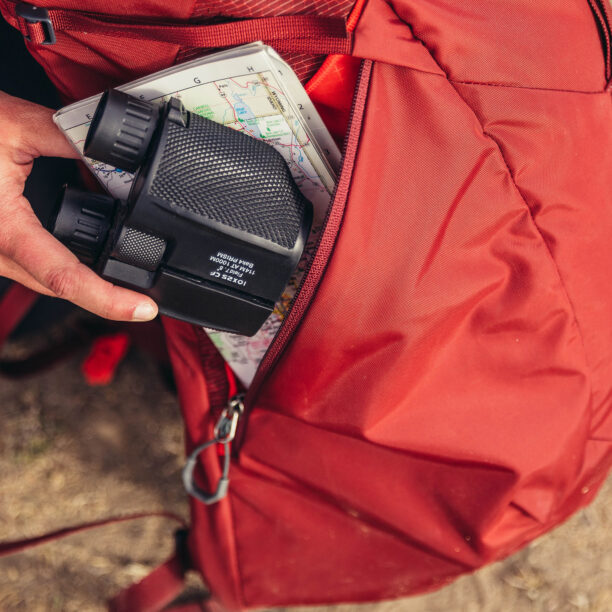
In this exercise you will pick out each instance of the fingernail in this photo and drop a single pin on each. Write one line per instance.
(144, 312)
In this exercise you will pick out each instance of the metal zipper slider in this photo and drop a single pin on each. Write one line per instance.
(224, 433)
(225, 429)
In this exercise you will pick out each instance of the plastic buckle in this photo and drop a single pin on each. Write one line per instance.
(36, 14)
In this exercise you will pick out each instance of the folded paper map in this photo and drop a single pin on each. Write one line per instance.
(248, 88)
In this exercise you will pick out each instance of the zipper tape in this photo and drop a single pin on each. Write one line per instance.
(314, 273)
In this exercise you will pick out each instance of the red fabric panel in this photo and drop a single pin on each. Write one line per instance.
(268, 8)
(517, 42)
(380, 22)
(303, 65)
(81, 64)
(147, 8)
(556, 145)
(95, 60)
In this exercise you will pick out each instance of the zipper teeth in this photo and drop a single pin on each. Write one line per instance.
(601, 14)
(313, 274)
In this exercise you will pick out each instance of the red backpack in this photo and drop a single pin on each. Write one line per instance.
(440, 393)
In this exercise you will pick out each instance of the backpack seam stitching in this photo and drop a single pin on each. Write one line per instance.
(526, 87)
(443, 72)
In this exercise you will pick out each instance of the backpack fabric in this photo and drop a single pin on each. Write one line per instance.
(439, 394)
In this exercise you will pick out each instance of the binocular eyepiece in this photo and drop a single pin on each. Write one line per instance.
(214, 224)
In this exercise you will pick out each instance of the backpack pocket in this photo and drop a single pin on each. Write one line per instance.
(432, 407)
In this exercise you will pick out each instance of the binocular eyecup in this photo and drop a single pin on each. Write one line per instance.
(121, 130)
(83, 221)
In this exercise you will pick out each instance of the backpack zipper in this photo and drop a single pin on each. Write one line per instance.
(224, 433)
(333, 220)
(232, 419)
(318, 263)
(602, 17)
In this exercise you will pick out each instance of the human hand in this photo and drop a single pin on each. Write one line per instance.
(28, 253)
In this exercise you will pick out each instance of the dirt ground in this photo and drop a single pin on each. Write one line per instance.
(71, 453)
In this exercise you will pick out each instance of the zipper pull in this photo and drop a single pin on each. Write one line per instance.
(225, 428)
(224, 433)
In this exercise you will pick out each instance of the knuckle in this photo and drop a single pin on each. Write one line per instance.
(107, 311)
(113, 306)
(62, 282)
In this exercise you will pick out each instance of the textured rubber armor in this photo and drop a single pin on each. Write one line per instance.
(231, 178)
(140, 249)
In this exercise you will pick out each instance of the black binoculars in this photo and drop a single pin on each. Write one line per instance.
(214, 224)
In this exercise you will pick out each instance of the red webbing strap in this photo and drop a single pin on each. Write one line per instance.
(297, 33)
(155, 591)
(15, 304)
(35, 32)
(9, 548)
